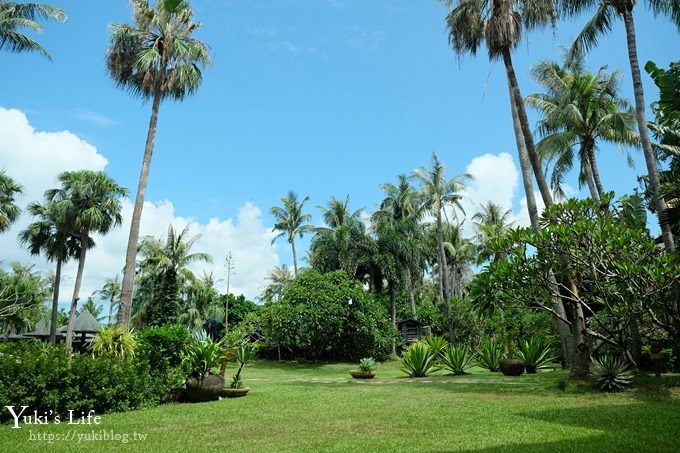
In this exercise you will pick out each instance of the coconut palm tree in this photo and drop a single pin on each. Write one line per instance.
(88, 202)
(167, 264)
(156, 58)
(580, 109)
(15, 16)
(500, 24)
(50, 236)
(289, 221)
(490, 222)
(600, 24)
(437, 193)
(95, 309)
(9, 211)
(279, 278)
(110, 292)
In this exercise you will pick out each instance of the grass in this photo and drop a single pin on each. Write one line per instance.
(319, 407)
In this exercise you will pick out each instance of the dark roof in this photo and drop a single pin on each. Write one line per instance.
(42, 329)
(410, 320)
(85, 322)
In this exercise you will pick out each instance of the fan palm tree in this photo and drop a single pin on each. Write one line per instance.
(15, 16)
(110, 292)
(88, 202)
(290, 222)
(580, 109)
(168, 264)
(600, 24)
(50, 236)
(437, 193)
(500, 24)
(9, 211)
(156, 58)
(490, 223)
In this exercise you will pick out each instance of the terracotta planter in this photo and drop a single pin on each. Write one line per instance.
(512, 367)
(361, 374)
(205, 388)
(235, 393)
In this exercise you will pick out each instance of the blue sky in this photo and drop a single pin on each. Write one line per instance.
(324, 97)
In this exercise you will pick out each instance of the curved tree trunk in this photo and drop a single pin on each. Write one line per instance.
(594, 193)
(650, 156)
(131, 254)
(292, 246)
(443, 267)
(595, 171)
(55, 303)
(411, 292)
(76, 291)
(526, 131)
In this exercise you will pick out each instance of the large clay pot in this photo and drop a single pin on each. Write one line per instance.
(205, 388)
(361, 374)
(512, 367)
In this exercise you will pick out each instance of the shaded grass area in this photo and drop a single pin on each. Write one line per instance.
(319, 407)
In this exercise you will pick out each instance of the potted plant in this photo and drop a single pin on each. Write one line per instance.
(201, 357)
(510, 365)
(366, 369)
(244, 354)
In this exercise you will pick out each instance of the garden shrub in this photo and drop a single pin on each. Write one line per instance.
(163, 347)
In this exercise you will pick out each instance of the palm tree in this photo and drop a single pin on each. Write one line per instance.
(110, 292)
(291, 222)
(490, 223)
(167, 262)
(95, 310)
(437, 193)
(9, 211)
(156, 58)
(580, 109)
(500, 23)
(50, 236)
(88, 202)
(279, 278)
(600, 24)
(14, 16)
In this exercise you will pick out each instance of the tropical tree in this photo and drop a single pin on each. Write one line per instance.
(9, 211)
(94, 308)
(202, 305)
(167, 264)
(156, 58)
(279, 278)
(600, 24)
(22, 293)
(490, 223)
(15, 16)
(437, 193)
(88, 202)
(110, 292)
(289, 221)
(51, 235)
(580, 109)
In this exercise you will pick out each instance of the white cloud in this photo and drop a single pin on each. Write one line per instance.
(35, 158)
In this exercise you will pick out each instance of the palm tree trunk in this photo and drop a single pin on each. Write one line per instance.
(592, 188)
(592, 160)
(76, 291)
(443, 268)
(55, 303)
(563, 330)
(110, 309)
(131, 255)
(582, 352)
(526, 131)
(650, 157)
(292, 245)
(411, 292)
(393, 313)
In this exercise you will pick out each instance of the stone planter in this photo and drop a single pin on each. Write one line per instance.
(205, 388)
(512, 367)
(361, 374)
(235, 393)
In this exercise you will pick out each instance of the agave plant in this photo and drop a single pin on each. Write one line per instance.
(117, 341)
(437, 344)
(202, 356)
(367, 364)
(244, 355)
(457, 359)
(490, 354)
(419, 360)
(611, 373)
(535, 354)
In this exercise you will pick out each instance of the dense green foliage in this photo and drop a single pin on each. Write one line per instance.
(489, 354)
(419, 360)
(535, 353)
(457, 359)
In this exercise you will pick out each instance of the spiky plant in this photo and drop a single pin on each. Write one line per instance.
(419, 360)
(457, 359)
(611, 373)
(490, 354)
(535, 354)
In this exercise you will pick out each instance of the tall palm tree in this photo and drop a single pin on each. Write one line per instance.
(51, 236)
(88, 202)
(580, 109)
(9, 211)
(500, 24)
(156, 58)
(437, 193)
(110, 292)
(95, 309)
(279, 278)
(600, 24)
(490, 223)
(15, 16)
(291, 222)
(167, 262)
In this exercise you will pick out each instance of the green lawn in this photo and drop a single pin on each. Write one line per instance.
(295, 407)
